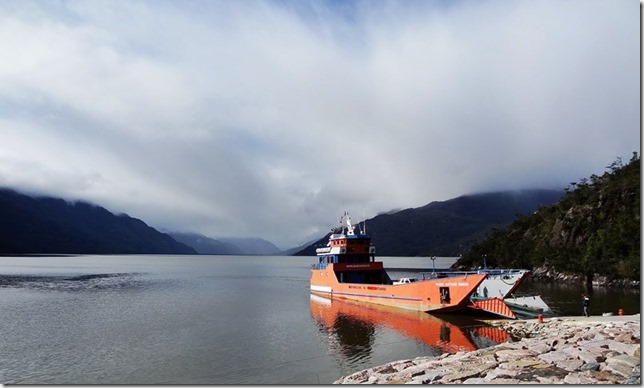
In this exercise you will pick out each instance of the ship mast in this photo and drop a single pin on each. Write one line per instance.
(350, 227)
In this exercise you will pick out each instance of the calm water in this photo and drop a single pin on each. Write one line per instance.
(149, 319)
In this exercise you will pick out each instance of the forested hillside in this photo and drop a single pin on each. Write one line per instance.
(594, 230)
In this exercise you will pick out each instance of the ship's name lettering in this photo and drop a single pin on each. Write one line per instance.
(375, 288)
(462, 284)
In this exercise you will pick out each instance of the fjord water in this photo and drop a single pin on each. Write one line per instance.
(153, 319)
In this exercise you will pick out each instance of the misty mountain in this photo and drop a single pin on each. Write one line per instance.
(252, 245)
(206, 245)
(447, 228)
(294, 251)
(51, 225)
(226, 246)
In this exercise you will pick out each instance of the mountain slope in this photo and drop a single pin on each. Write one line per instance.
(448, 228)
(594, 229)
(51, 225)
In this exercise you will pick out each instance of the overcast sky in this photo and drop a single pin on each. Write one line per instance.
(269, 118)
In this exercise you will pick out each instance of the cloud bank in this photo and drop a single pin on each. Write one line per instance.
(269, 118)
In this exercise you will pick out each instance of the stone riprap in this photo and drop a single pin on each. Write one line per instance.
(572, 350)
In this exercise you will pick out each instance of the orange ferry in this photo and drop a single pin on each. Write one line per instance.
(347, 268)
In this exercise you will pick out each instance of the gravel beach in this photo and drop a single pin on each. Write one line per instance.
(563, 350)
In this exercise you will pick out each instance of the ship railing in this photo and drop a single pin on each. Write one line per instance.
(500, 271)
(443, 274)
(420, 276)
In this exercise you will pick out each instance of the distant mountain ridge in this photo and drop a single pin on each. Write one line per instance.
(252, 245)
(47, 225)
(226, 246)
(447, 228)
(43, 224)
(205, 245)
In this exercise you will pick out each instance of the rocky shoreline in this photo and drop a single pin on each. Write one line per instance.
(568, 350)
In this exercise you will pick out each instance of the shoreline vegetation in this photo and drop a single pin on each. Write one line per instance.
(568, 350)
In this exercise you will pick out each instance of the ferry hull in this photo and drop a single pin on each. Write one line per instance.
(434, 295)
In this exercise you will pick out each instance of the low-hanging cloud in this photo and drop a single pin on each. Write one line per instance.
(268, 118)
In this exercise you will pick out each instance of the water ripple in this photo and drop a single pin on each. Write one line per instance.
(104, 281)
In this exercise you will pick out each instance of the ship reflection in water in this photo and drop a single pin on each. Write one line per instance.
(352, 327)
